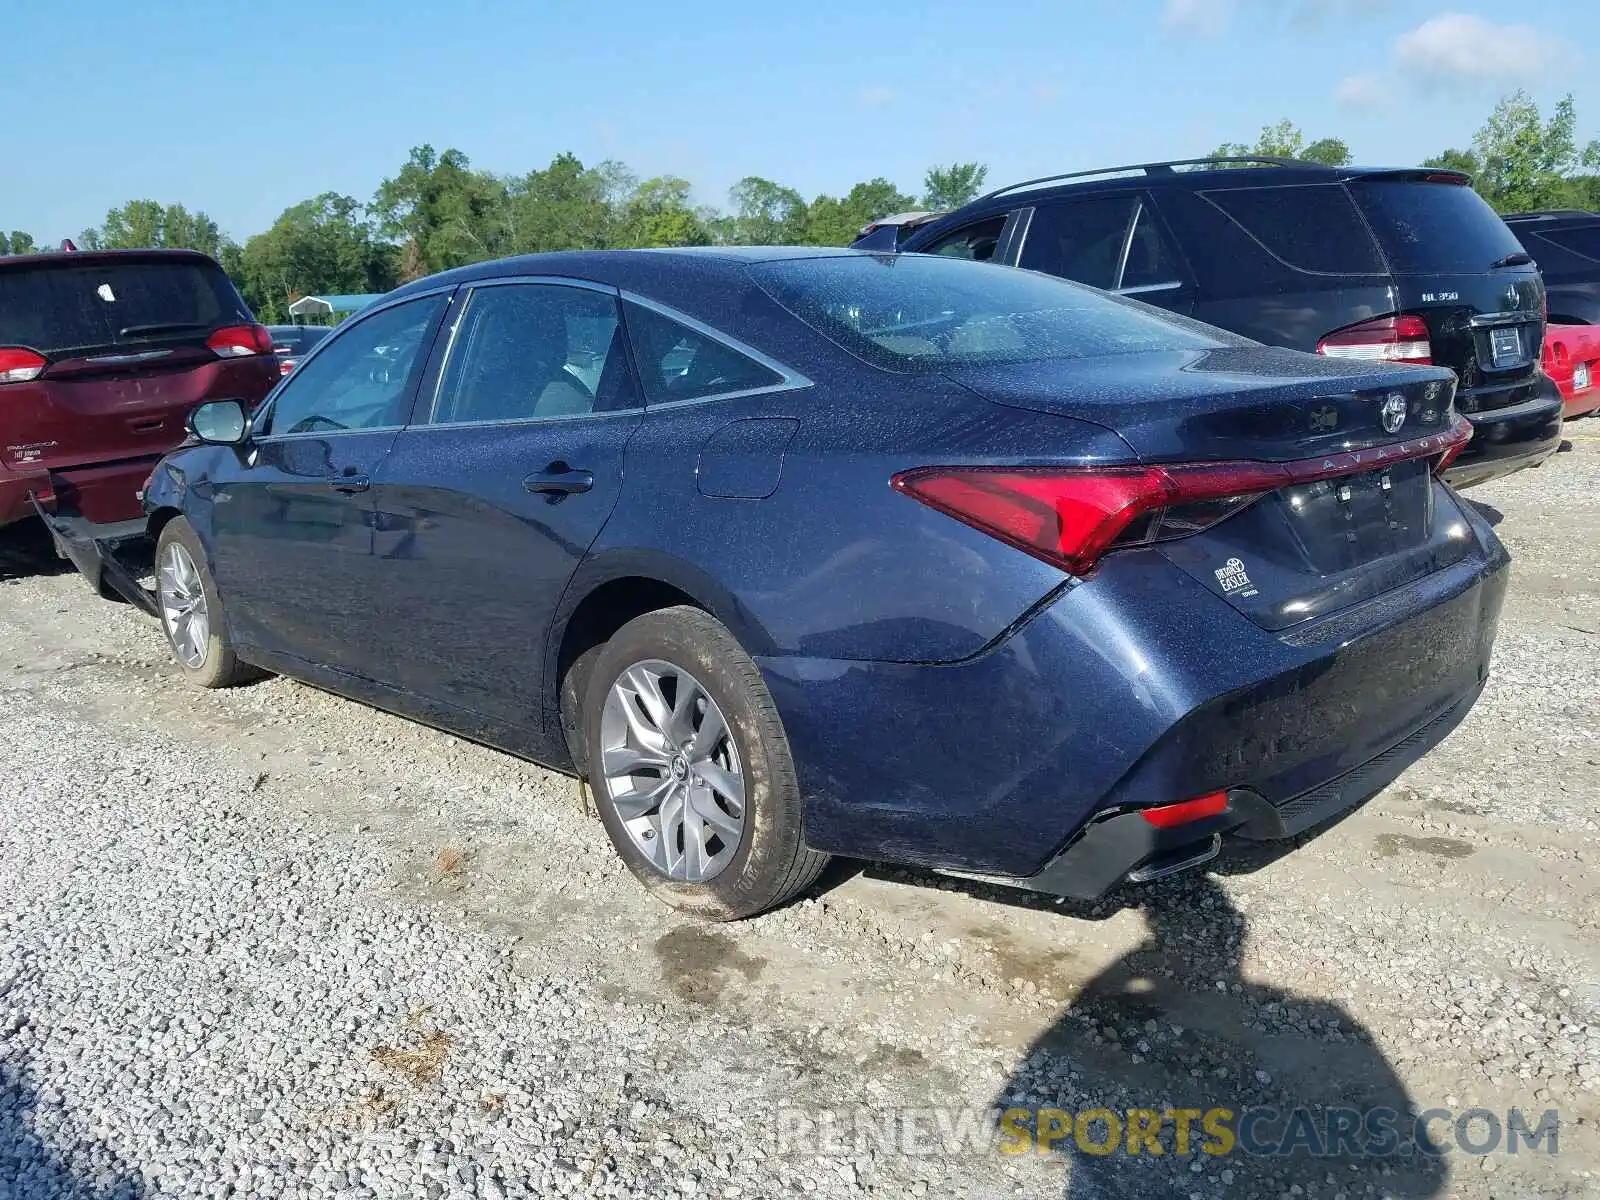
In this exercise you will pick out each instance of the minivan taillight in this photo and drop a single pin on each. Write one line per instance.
(1386, 339)
(18, 365)
(233, 341)
(1072, 516)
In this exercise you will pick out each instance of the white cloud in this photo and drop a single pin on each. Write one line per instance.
(1363, 91)
(1201, 18)
(1462, 48)
(877, 95)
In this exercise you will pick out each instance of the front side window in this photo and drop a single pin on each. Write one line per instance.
(534, 351)
(680, 363)
(1079, 239)
(977, 242)
(921, 313)
(362, 378)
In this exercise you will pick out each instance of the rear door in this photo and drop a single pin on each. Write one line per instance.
(292, 512)
(127, 344)
(1456, 265)
(491, 498)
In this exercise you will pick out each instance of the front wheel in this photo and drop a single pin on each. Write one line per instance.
(191, 611)
(691, 771)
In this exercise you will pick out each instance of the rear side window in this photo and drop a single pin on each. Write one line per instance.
(1079, 239)
(1311, 227)
(1584, 241)
(67, 310)
(920, 313)
(679, 363)
(1434, 228)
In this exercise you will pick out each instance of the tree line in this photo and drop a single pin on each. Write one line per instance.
(437, 211)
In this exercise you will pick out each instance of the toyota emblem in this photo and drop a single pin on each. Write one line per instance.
(1394, 413)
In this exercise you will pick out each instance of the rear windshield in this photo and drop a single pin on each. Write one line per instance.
(60, 309)
(921, 313)
(1434, 228)
(296, 339)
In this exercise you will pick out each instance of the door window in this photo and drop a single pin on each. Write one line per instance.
(680, 363)
(1151, 262)
(1312, 227)
(977, 242)
(533, 352)
(362, 378)
(1080, 239)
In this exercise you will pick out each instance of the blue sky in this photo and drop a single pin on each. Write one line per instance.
(242, 110)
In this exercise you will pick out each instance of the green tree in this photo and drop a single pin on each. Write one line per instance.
(17, 243)
(441, 212)
(319, 246)
(659, 213)
(946, 188)
(838, 222)
(141, 223)
(764, 214)
(565, 206)
(1330, 152)
(1283, 140)
(1526, 163)
(1464, 161)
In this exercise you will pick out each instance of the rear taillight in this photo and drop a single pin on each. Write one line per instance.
(1387, 339)
(233, 341)
(285, 365)
(1071, 516)
(18, 365)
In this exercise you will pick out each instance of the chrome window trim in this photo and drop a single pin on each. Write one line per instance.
(373, 310)
(1144, 289)
(1127, 244)
(789, 380)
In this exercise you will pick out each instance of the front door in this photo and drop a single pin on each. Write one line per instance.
(293, 512)
(490, 499)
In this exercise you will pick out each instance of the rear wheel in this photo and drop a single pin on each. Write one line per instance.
(691, 771)
(191, 612)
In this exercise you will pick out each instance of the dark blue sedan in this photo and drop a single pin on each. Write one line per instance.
(795, 553)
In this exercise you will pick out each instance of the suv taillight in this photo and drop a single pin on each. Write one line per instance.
(1386, 339)
(18, 365)
(232, 341)
(1072, 516)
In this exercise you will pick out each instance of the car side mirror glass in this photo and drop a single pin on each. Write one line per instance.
(220, 423)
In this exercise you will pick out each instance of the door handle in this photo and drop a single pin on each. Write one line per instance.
(350, 484)
(559, 480)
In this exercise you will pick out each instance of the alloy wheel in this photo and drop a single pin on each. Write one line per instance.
(672, 772)
(183, 606)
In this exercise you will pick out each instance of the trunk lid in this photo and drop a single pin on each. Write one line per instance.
(1301, 551)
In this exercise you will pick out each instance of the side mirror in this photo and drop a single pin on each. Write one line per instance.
(220, 423)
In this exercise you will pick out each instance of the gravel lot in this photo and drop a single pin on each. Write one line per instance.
(271, 943)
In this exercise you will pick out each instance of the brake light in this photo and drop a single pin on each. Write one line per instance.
(1072, 516)
(1386, 339)
(18, 365)
(1186, 812)
(233, 341)
(285, 365)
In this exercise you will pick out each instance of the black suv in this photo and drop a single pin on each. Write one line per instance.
(1566, 245)
(1399, 265)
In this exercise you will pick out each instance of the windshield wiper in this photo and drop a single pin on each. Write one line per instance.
(1517, 258)
(159, 327)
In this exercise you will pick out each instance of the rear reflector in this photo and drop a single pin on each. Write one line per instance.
(234, 341)
(1387, 339)
(18, 365)
(1071, 516)
(1165, 816)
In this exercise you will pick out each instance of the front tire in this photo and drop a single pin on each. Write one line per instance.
(191, 611)
(691, 771)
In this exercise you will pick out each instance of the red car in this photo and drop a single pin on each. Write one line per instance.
(1572, 359)
(102, 357)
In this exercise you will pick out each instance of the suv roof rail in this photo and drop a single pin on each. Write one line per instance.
(1157, 168)
(1550, 213)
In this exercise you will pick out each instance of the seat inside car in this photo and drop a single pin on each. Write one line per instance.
(514, 356)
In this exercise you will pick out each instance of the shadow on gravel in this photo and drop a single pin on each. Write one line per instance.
(26, 550)
(29, 1170)
(1173, 1025)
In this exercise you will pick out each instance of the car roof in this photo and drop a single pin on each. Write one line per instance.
(1555, 216)
(83, 258)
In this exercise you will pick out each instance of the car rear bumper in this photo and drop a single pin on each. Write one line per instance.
(1511, 438)
(101, 493)
(1134, 689)
(111, 556)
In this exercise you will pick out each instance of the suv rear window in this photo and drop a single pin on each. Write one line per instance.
(69, 308)
(1434, 228)
(1313, 227)
(921, 313)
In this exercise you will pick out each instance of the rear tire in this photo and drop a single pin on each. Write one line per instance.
(690, 768)
(191, 612)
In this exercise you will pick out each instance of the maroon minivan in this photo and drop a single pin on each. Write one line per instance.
(103, 355)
